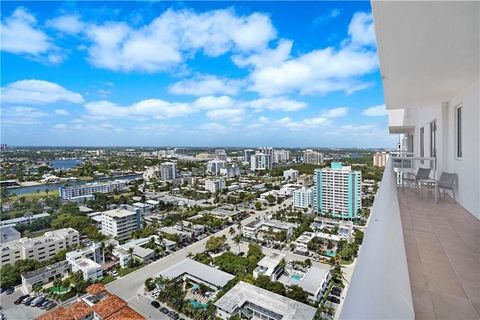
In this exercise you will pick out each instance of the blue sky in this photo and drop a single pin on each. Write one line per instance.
(292, 74)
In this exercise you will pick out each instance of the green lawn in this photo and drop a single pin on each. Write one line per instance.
(107, 279)
(35, 195)
(124, 271)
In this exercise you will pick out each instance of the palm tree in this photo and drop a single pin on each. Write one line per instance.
(231, 231)
(130, 252)
(237, 241)
(102, 246)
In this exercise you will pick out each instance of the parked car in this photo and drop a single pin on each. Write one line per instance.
(27, 300)
(164, 310)
(39, 302)
(44, 303)
(155, 304)
(51, 305)
(333, 299)
(10, 290)
(34, 302)
(337, 289)
(21, 298)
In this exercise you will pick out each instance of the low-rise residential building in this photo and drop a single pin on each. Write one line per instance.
(303, 198)
(97, 304)
(305, 180)
(271, 265)
(40, 248)
(8, 234)
(88, 189)
(119, 223)
(26, 219)
(214, 185)
(198, 273)
(290, 175)
(314, 281)
(273, 230)
(87, 261)
(195, 229)
(259, 303)
(344, 228)
(143, 207)
(44, 275)
(181, 235)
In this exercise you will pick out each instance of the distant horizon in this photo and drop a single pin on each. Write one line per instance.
(191, 73)
(199, 147)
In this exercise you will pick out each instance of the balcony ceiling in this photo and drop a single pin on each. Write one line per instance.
(428, 51)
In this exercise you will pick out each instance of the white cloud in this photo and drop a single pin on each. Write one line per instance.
(70, 24)
(214, 127)
(20, 115)
(212, 102)
(174, 36)
(320, 71)
(335, 112)
(20, 35)
(37, 92)
(61, 112)
(60, 126)
(306, 123)
(232, 115)
(150, 108)
(276, 103)
(375, 111)
(266, 57)
(361, 29)
(203, 85)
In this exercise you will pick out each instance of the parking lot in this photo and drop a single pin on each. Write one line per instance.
(18, 312)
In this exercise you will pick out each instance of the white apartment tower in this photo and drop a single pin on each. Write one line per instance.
(303, 198)
(312, 157)
(248, 154)
(168, 171)
(290, 175)
(214, 185)
(280, 156)
(119, 223)
(380, 159)
(261, 161)
(215, 166)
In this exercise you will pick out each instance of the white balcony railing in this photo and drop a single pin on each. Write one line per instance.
(380, 284)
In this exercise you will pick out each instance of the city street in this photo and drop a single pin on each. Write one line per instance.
(127, 287)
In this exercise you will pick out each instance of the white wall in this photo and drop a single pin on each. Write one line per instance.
(468, 167)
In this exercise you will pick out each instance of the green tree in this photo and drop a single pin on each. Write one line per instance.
(214, 244)
(258, 205)
(297, 293)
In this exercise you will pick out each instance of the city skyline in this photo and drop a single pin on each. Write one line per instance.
(192, 74)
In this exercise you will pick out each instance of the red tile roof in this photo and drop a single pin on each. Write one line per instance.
(109, 306)
(79, 310)
(95, 288)
(126, 313)
(59, 313)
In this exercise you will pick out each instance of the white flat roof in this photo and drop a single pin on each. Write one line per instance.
(244, 293)
(198, 270)
(312, 280)
(119, 213)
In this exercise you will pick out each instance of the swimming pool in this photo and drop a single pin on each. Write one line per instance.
(197, 305)
(296, 277)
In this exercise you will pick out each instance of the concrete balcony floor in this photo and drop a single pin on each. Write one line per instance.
(442, 243)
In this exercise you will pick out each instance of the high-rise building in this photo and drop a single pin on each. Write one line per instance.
(303, 198)
(338, 191)
(214, 166)
(261, 161)
(214, 185)
(380, 159)
(168, 171)
(119, 223)
(248, 155)
(180, 151)
(312, 157)
(280, 156)
(230, 171)
(290, 175)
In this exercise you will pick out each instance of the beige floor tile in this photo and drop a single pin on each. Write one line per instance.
(449, 307)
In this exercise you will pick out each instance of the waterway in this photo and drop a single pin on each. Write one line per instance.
(55, 186)
(64, 164)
